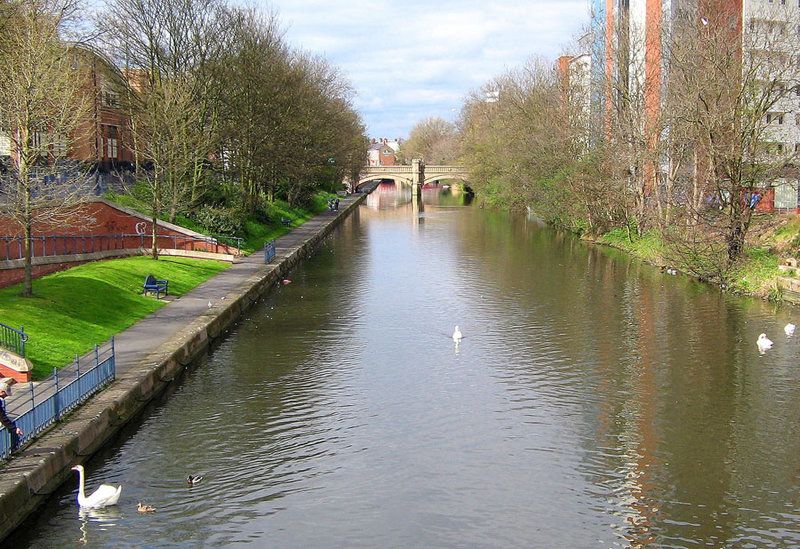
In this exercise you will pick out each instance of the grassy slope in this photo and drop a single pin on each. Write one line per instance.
(257, 234)
(648, 247)
(74, 309)
(755, 275)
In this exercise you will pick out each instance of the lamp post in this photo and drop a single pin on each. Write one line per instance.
(332, 164)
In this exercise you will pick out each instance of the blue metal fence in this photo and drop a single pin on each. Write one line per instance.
(269, 251)
(58, 395)
(13, 339)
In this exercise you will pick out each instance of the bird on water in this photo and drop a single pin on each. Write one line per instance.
(104, 496)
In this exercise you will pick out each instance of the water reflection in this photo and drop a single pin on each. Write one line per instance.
(594, 401)
(97, 520)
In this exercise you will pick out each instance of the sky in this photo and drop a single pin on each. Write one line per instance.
(412, 59)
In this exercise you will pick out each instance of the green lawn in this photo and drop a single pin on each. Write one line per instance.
(74, 309)
(256, 233)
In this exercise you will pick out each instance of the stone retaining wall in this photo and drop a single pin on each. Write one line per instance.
(28, 479)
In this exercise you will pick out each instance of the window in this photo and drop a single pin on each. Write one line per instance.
(785, 195)
(112, 148)
(60, 146)
(776, 117)
(110, 98)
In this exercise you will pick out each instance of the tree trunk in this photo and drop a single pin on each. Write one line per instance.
(27, 285)
(155, 237)
(27, 217)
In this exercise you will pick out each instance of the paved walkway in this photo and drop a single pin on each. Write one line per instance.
(140, 340)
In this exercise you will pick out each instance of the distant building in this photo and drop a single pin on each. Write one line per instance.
(383, 152)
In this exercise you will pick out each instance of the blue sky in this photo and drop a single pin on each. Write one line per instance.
(408, 60)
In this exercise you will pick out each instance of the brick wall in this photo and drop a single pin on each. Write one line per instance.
(95, 227)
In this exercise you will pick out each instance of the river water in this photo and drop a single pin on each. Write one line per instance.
(593, 402)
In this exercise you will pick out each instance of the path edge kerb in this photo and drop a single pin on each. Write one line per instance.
(28, 479)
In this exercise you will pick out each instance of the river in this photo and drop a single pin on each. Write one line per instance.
(593, 402)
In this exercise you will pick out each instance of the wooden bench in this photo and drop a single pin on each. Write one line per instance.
(152, 284)
(286, 221)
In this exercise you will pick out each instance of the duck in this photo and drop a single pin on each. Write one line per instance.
(457, 335)
(763, 343)
(104, 496)
(194, 479)
(789, 329)
(144, 508)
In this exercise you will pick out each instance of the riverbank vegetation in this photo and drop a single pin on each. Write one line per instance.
(678, 183)
(75, 309)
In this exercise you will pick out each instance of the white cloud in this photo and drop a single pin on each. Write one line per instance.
(414, 59)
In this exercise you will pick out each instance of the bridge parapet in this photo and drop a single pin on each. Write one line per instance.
(416, 174)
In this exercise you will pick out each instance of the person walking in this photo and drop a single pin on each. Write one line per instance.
(8, 423)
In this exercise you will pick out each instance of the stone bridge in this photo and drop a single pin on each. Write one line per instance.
(416, 174)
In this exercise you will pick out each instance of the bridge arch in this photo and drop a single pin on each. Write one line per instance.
(444, 176)
(396, 178)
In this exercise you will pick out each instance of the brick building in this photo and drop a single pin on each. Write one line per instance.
(103, 139)
(383, 152)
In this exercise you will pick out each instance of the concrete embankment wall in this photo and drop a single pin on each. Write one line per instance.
(28, 479)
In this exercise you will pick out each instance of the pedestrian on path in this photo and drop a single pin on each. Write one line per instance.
(8, 423)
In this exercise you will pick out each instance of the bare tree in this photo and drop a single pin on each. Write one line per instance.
(731, 90)
(168, 49)
(434, 140)
(43, 109)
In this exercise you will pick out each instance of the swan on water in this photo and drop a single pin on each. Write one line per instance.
(144, 508)
(763, 342)
(194, 479)
(457, 335)
(789, 329)
(104, 496)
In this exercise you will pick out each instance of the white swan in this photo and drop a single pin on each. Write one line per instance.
(763, 343)
(104, 496)
(789, 329)
(457, 335)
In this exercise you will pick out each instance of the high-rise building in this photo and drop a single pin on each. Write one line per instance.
(628, 45)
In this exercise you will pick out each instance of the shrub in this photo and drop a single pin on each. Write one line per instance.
(225, 221)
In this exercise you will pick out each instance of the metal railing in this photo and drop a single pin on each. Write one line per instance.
(269, 251)
(60, 393)
(12, 247)
(13, 339)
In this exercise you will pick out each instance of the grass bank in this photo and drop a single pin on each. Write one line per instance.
(256, 230)
(756, 274)
(74, 309)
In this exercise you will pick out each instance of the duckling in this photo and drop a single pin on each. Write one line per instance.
(194, 479)
(144, 508)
